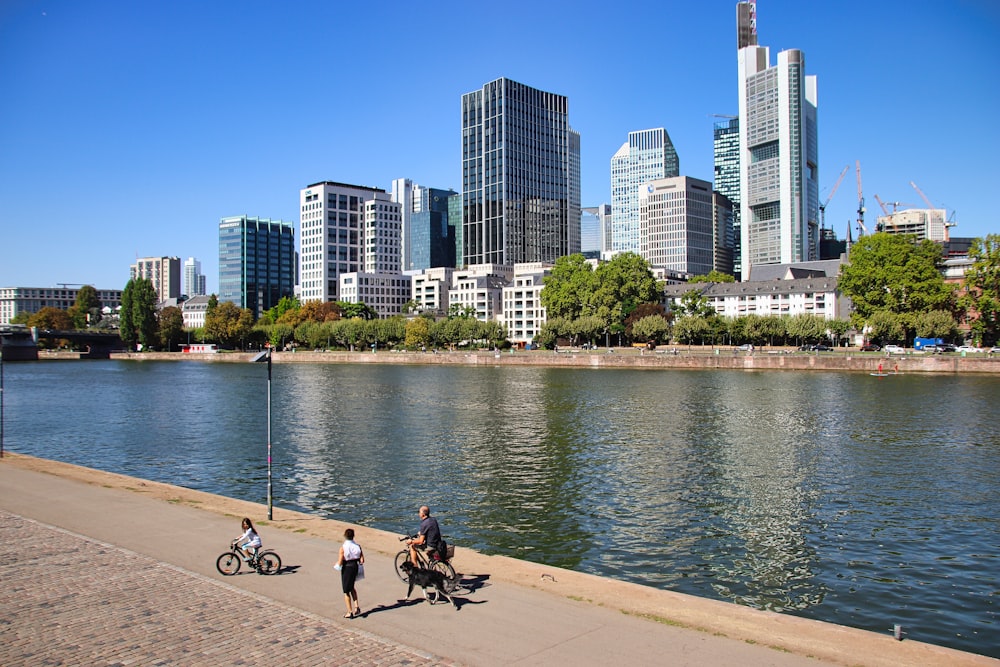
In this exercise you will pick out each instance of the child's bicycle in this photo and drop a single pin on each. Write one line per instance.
(428, 561)
(265, 562)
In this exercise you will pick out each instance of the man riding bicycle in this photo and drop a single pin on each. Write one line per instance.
(428, 535)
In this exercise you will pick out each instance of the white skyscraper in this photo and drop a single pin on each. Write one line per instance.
(194, 281)
(648, 155)
(779, 195)
(345, 229)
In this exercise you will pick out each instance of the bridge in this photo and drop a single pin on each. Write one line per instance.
(20, 343)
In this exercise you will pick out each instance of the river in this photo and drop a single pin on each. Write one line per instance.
(835, 496)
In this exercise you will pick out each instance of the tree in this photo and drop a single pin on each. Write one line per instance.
(805, 328)
(228, 324)
(352, 310)
(418, 332)
(171, 327)
(652, 328)
(694, 303)
(982, 286)
(569, 287)
(936, 324)
(86, 311)
(52, 318)
(691, 329)
(886, 327)
(320, 311)
(713, 276)
(137, 321)
(893, 273)
(623, 284)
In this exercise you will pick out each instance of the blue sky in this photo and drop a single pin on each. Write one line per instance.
(130, 128)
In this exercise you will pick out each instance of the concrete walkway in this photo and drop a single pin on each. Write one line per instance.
(106, 569)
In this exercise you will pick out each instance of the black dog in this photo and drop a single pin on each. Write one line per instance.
(425, 579)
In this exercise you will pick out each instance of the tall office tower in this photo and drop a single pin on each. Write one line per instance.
(648, 155)
(520, 176)
(256, 262)
(428, 238)
(727, 179)
(194, 280)
(336, 228)
(779, 193)
(722, 230)
(455, 222)
(592, 230)
(676, 218)
(163, 272)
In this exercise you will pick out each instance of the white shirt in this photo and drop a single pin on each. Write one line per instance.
(352, 550)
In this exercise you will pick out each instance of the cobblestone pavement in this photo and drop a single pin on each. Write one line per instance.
(69, 600)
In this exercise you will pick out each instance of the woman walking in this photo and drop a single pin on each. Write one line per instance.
(350, 562)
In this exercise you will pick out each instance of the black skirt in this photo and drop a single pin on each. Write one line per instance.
(348, 575)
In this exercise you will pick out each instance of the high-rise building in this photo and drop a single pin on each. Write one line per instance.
(520, 176)
(455, 222)
(256, 262)
(345, 229)
(594, 221)
(648, 155)
(428, 236)
(727, 180)
(676, 218)
(779, 193)
(194, 281)
(163, 272)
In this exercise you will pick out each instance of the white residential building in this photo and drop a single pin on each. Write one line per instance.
(193, 310)
(345, 229)
(385, 293)
(430, 289)
(523, 313)
(163, 272)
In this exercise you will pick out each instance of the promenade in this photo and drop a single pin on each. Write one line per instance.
(106, 569)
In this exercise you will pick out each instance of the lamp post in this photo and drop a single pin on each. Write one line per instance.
(1, 400)
(266, 356)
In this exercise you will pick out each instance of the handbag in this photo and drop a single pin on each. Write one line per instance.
(361, 572)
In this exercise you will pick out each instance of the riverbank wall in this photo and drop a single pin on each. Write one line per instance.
(694, 358)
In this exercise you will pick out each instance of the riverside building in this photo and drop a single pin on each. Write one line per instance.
(256, 262)
(345, 229)
(163, 272)
(194, 280)
(779, 195)
(520, 176)
(676, 225)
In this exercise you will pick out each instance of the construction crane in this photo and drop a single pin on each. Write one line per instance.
(822, 208)
(862, 230)
(885, 209)
(922, 195)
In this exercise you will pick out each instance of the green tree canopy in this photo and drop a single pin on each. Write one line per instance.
(137, 320)
(228, 324)
(652, 328)
(623, 284)
(896, 274)
(171, 327)
(713, 276)
(569, 287)
(936, 324)
(982, 285)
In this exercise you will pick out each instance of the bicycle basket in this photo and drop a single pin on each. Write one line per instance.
(449, 552)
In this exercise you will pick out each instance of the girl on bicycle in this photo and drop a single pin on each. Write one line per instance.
(249, 542)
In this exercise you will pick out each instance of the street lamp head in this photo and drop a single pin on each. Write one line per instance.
(261, 356)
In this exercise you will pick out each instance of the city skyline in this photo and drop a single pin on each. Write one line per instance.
(136, 129)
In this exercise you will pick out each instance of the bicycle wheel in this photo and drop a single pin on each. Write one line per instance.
(450, 578)
(228, 563)
(268, 562)
(402, 557)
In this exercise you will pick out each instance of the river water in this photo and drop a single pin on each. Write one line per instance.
(836, 496)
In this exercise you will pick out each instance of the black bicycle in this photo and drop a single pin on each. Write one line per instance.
(428, 559)
(265, 562)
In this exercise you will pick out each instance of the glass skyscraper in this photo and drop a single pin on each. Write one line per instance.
(727, 176)
(779, 193)
(256, 262)
(648, 155)
(520, 176)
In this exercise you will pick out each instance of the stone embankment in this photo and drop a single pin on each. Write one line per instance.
(680, 358)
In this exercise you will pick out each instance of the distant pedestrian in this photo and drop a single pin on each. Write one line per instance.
(350, 562)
